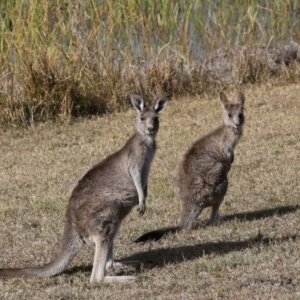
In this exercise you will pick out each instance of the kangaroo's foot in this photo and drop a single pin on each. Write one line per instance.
(217, 220)
(121, 279)
(121, 264)
(114, 279)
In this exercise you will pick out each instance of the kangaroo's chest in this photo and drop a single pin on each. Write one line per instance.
(139, 165)
(227, 145)
(147, 159)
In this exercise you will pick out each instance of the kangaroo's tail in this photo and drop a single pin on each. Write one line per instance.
(68, 248)
(156, 235)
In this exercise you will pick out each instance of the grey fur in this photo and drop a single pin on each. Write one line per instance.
(202, 177)
(103, 198)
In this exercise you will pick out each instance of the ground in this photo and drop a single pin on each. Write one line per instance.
(254, 255)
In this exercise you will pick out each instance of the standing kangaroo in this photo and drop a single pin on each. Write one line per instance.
(103, 198)
(202, 177)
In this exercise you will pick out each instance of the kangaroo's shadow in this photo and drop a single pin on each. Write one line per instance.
(159, 257)
(265, 213)
(254, 215)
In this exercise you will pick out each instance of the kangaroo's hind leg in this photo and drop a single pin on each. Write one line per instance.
(189, 215)
(218, 198)
(104, 254)
(113, 264)
(100, 258)
(102, 247)
(215, 218)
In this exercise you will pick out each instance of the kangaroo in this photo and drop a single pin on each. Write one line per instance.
(202, 177)
(103, 198)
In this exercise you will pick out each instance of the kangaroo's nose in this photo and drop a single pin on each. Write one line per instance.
(150, 129)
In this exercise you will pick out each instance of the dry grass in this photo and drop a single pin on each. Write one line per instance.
(255, 255)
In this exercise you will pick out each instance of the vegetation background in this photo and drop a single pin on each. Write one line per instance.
(62, 60)
(71, 58)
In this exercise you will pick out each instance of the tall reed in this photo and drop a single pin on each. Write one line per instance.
(71, 58)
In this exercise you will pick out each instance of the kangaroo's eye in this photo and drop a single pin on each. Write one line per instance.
(229, 115)
(143, 119)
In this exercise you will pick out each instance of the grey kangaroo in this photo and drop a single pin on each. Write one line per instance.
(103, 198)
(202, 177)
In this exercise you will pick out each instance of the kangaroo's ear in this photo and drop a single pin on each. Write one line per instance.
(224, 100)
(241, 98)
(161, 104)
(137, 102)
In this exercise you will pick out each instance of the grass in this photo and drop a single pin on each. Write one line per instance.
(64, 59)
(254, 255)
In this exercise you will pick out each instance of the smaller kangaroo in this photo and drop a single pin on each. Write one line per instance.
(202, 177)
(103, 198)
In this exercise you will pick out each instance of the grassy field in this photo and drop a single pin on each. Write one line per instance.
(254, 255)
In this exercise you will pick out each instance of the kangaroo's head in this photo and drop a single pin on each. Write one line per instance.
(233, 112)
(147, 122)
